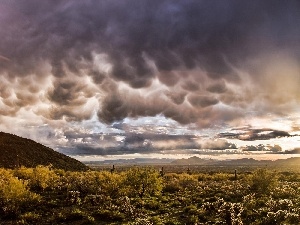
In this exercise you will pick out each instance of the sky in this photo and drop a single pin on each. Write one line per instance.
(147, 78)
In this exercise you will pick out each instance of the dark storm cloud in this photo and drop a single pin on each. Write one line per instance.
(79, 142)
(202, 101)
(167, 32)
(64, 93)
(145, 41)
(261, 147)
(117, 106)
(177, 97)
(162, 141)
(97, 76)
(84, 149)
(255, 134)
(190, 86)
(217, 88)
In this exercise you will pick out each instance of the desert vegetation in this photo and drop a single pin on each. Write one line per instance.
(143, 195)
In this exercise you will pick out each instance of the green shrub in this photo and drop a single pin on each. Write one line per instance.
(171, 183)
(221, 177)
(94, 183)
(83, 182)
(143, 182)
(189, 182)
(156, 220)
(111, 184)
(171, 187)
(152, 204)
(109, 215)
(263, 181)
(30, 217)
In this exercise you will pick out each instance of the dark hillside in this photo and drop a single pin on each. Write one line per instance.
(18, 151)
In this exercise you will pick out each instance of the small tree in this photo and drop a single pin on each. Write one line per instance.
(263, 181)
(143, 182)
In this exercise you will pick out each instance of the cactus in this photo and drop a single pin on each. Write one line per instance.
(161, 172)
(113, 169)
(189, 171)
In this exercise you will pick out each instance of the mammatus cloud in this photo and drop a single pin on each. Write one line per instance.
(192, 61)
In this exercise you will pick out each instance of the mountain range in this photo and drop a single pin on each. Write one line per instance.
(239, 162)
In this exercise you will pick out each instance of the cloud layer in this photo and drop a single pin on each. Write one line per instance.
(130, 143)
(192, 61)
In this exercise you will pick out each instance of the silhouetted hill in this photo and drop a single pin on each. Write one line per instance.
(20, 151)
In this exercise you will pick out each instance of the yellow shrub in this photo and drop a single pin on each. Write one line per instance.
(39, 178)
(14, 193)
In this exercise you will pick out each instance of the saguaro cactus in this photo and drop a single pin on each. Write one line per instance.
(235, 175)
(113, 169)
